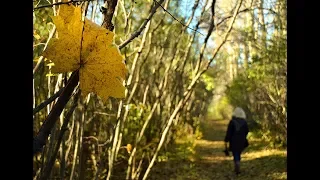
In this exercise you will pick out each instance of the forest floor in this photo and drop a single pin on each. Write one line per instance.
(203, 159)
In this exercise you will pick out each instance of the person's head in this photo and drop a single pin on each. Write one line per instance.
(239, 113)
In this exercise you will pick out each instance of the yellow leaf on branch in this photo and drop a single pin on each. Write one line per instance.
(87, 47)
(129, 148)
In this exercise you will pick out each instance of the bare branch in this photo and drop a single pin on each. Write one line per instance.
(97, 141)
(215, 52)
(207, 37)
(245, 10)
(143, 25)
(39, 63)
(103, 113)
(46, 102)
(177, 19)
(59, 3)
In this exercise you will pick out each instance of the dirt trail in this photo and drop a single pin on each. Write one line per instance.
(208, 161)
(257, 163)
(211, 161)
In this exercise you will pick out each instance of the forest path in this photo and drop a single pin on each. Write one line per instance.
(204, 159)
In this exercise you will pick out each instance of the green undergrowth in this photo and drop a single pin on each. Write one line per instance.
(177, 162)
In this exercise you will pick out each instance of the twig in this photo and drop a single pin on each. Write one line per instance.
(36, 68)
(177, 19)
(48, 101)
(105, 143)
(63, 129)
(97, 141)
(245, 10)
(143, 25)
(59, 3)
(103, 113)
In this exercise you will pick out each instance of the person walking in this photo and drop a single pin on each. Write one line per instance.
(236, 135)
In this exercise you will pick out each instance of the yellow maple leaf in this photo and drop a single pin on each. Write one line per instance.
(87, 47)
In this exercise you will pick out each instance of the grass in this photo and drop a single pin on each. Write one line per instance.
(203, 159)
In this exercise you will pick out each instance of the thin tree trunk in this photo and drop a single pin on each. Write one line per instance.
(76, 147)
(263, 39)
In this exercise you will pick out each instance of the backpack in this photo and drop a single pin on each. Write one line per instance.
(237, 129)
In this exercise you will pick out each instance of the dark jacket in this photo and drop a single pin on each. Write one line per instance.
(237, 134)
